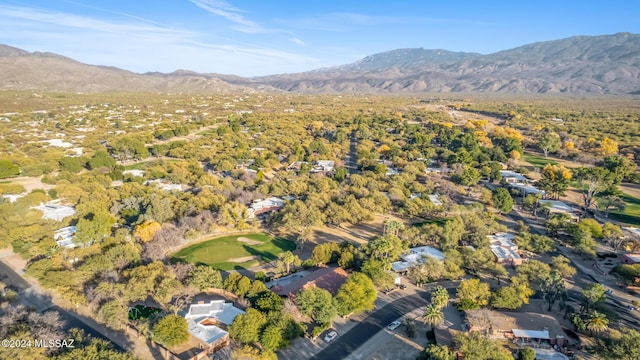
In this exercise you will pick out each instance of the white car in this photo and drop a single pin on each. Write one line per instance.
(394, 325)
(330, 336)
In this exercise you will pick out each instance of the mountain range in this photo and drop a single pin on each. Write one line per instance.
(607, 64)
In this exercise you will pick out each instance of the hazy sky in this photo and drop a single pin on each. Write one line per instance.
(260, 37)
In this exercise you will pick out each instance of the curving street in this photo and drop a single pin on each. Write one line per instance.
(350, 341)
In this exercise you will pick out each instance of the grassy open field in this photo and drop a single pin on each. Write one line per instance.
(537, 161)
(631, 213)
(236, 251)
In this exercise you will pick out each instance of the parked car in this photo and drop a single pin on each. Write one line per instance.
(394, 325)
(328, 337)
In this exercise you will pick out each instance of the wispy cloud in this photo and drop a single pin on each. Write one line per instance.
(231, 13)
(138, 45)
(344, 21)
(298, 41)
(341, 21)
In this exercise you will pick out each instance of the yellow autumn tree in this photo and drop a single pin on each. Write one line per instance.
(515, 155)
(607, 147)
(508, 132)
(569, 145)
(483, 139)
(477, 124)
(555, 180)
(146, 230)
(384, 148)
(316, 125)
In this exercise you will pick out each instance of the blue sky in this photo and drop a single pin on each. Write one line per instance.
(261, 37)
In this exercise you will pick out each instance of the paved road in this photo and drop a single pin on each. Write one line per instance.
(618, 300)
(30, 296)
(351, 162)
(347, 343)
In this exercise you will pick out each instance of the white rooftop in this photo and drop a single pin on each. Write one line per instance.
(58, 143)
(435, 199)
(399, 266)
(531, 334)
(217, 309)
(557, 206)
(264, 205)
(64, 237)
(502, 239)
(633, 230)
(503, 247)
(504, 253)
(13, 197)
(528, 189)
(136, 173)
(416, 256)
(512, 174)
(54, 211)
(206, 333)
(392, 171)
(323, 166)
(63, 232)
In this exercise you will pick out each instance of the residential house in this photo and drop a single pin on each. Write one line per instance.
(438, 170)
(58, 143)
(556, 206)
(391, 171)
(134, 173)
(323, 166)
(208, 323)
(265, 206)
(415, 257)
(296, 166)
(512, 177)
(435, 199)
(504, 249)
(633, 231)
(13, 197)
(526, 189)
(522, 328)
(631, 259)
(64, 237)
(327, 278)
(164, 185)
(53, 210)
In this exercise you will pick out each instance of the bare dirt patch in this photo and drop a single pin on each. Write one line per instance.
(249, 241)
(360, 233)
(30, 183)
(243, 259)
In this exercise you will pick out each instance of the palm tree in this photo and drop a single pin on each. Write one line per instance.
(597, 322)
(433, 316)
(440, 297)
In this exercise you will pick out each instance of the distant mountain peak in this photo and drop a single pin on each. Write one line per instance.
(604, 64)
(6, 50)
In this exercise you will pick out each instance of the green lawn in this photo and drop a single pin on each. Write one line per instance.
(537, 161)
(219, 251)
(439, 222)
(631, 213)
(144, 165)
